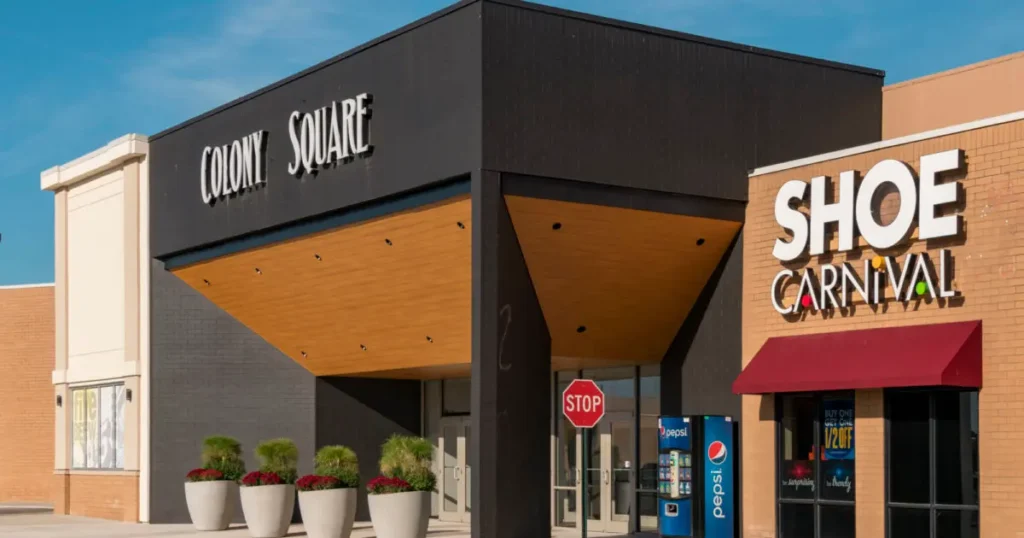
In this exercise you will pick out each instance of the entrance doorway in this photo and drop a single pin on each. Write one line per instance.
(611, 493)
(456, 475)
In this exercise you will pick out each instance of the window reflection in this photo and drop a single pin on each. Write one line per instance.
(908, 447)
(933, 433)
(797, 447)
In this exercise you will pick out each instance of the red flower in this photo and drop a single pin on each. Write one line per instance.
(257, 478)
(204, 475)
(384, 484)
(312, 482)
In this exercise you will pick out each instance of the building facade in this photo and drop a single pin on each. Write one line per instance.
(101, 331)
(26, 358)
(880, 337)
(435, 232)
(365, 249)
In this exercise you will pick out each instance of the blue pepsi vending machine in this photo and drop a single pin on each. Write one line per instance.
(675, 477)
(719, 472)
(696, 477)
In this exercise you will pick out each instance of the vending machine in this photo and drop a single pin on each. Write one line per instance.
(696, 477)
(675, 477)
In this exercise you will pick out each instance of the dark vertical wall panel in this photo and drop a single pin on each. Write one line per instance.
(425, 128)
(362, 413)
(595, 101)
(511, 397)
(213, 376)
(706, 355)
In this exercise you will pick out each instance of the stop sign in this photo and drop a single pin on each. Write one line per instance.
(583, 403)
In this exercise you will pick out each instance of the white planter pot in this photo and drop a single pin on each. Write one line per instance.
(268, 509)
(400, 515)
(329, 513)
(211, 505)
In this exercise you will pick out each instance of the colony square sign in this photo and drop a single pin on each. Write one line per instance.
(924, 274)
(327, 136)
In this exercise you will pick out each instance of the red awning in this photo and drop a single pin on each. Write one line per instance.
(947, 354)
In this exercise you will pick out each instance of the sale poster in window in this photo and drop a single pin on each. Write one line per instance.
(837, 462)
(837, 429)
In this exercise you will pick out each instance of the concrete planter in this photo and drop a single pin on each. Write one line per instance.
(400, 515)
(268, 509)
(211, 505)
(328, 513)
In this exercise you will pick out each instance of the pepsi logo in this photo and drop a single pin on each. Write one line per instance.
(717, 452)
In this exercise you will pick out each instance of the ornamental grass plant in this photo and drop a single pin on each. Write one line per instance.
(339, 462)
(223, 454)
(410, 459)
(280, 457)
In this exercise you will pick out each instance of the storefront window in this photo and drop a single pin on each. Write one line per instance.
(816, 473)
(932, 470)
(97, 427)
(455, 397)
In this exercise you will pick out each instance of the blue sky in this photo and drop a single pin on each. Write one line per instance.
(75, 75)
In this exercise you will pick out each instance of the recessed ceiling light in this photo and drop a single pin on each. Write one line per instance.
(362, 347)
(258, 272)
(556, 226)
(700, 241)
(460, 225)
(318, 258)
(581, 329)
(207, 282)
(431, 340)
(388, 241)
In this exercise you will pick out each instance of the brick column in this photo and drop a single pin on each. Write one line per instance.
(869, 439)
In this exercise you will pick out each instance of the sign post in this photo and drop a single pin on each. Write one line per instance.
(583, 405)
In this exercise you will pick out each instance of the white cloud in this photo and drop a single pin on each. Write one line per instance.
(250, 44)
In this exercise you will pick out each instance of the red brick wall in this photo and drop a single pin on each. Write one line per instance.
(26, 402)
(993, 291)
(101, 495)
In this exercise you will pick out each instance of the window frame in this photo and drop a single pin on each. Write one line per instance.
(71, 427)
(931, 506)
(817, 502)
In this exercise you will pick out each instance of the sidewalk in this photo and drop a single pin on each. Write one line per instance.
(30, 522)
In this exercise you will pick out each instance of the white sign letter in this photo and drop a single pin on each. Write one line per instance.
(204, 174)
(933, 195)
(792, 220)
(293, 168)
(900, 175)
(840, 212)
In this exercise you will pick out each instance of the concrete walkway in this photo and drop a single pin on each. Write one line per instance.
(37, 522)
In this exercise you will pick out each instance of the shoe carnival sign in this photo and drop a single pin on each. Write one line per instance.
(329, 135)
(853, 215)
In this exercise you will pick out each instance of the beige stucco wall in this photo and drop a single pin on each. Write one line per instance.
(96, 278)
(101, 314)
(993, 291)
(968, 93)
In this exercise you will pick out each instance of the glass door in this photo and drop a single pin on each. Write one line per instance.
(609, 494)
(616, 470)
(456, 476)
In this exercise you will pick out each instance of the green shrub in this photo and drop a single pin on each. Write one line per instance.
(411, 459)
(339, 462)
(279, 456)
(223, 454)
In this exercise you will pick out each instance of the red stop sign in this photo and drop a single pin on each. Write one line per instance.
(583, 403)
